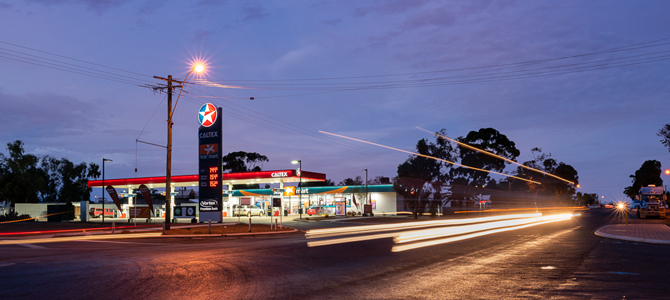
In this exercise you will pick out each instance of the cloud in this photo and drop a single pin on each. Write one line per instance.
(389, 8)
(4, 5)
(293, 57)
(253, 13)
(99, 6)
(333, 22)
(46, 114)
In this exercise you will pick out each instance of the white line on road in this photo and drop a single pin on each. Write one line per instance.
(6, 265)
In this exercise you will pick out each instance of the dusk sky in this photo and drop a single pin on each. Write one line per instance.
(586, 81)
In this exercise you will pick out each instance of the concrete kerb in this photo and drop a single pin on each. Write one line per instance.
(630, 239)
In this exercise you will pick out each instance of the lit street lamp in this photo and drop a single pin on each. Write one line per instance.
(103, 187)
(299, 163)
(168, 168)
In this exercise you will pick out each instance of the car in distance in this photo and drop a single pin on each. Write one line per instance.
(248, 210)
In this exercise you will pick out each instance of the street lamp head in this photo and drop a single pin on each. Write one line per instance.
(667, 171)
(199, 68)
(106, 159)
(295, 162)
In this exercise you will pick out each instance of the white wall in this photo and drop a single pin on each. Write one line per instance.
(386, 202)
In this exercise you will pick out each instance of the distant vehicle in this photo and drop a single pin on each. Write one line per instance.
(609, 206)
(248, 210)
(314, 210)
(652, 202)
(96, 212)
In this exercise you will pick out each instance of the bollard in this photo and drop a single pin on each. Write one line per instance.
(210, 226)
(113, 223)
(249, 223)
(275, 224)
(163, 227)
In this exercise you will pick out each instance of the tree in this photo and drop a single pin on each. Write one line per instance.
(352, 181)
(241, 161)
(649, 173)
(664, 133)
(487, 139)
(21, 180)
(423, 178)
(328, 182)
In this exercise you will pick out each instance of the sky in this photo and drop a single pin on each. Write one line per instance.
(583, 80)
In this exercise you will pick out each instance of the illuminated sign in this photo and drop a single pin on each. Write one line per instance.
(207, 115)
(279, 174)
(209, 163)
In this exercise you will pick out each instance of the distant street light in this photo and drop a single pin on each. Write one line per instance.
(103, 188)
(667, 171)
(299, 163)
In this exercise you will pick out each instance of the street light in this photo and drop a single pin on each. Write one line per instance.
(299, 163)
(103, 187)
(168, 164)
(667, 171)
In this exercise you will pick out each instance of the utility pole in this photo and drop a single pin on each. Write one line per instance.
(168, 167)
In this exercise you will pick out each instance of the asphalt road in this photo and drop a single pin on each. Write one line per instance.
(563, 260)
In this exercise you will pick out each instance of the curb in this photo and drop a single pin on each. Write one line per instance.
(227, 235)
(631, 239)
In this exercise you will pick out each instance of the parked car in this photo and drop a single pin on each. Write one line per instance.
(314, 210)
(248, 210)
(96, 212)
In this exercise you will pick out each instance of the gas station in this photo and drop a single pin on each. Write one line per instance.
(214, 203)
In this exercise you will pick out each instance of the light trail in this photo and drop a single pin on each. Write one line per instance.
(428, 156)
(418, 235)
(494, 155)
(331, 232)
(79, 238)
(413, 238)
(520, 209)
(399, 248)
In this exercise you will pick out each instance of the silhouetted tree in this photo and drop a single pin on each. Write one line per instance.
(648, 173)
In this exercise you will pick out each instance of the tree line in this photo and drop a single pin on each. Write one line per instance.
(432, 183)
(28, 178)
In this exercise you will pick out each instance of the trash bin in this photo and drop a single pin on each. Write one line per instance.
(300, 211)
(285, 213)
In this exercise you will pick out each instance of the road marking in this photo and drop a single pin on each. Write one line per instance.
(6, 265)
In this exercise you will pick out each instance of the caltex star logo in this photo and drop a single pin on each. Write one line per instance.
(207, 115)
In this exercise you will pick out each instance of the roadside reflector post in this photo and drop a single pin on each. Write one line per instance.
(163, 226)
(113, 223)
(249, 223)
(275, 224)
(210, 226)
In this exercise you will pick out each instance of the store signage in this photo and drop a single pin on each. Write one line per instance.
(184, 212)
(340, 207)
(208, 115)
(147, 196)
(140, 212)
(112, 193)
(279, 174)
(289, 191)
(209, 159)
(276, 202)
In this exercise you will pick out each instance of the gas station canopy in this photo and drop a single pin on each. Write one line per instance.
(259, 177)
